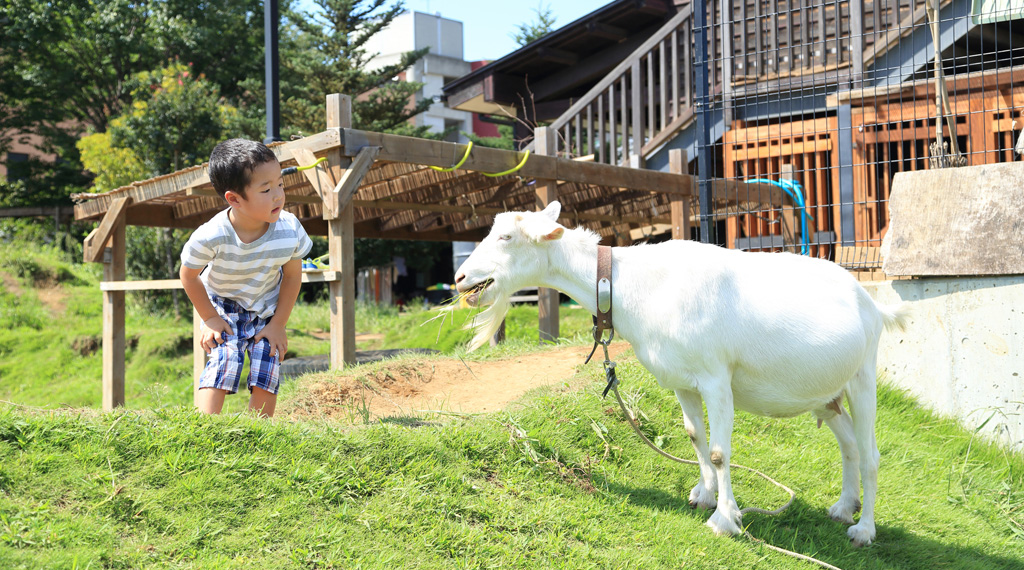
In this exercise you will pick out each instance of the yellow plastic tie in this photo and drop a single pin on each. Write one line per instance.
(319, 160)
(469, 147)
(507, 172)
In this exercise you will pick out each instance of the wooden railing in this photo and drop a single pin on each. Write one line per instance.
(649, 92)
(645, 100)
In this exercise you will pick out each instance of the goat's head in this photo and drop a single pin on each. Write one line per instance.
(511, 257)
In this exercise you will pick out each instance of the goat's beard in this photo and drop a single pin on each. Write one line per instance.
(488, 321)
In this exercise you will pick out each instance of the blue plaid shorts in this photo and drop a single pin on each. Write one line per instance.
(224, 369)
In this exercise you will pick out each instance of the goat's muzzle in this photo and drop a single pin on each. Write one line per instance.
(472, 294)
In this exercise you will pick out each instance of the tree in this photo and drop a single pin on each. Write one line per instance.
(323, 51)
(64, 66)
(175, 120)
(530, 32)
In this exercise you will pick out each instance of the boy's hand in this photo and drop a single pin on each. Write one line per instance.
(277, 338)
(211, 333)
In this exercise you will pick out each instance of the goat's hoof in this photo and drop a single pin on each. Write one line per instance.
(843, 510)
(725, 525)
(701, 497)
(861, 534)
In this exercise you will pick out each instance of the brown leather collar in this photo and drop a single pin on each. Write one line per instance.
(604, 288)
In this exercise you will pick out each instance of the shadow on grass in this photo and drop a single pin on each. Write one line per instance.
(808, 530)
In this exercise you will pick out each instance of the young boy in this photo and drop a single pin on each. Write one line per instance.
(252, 254)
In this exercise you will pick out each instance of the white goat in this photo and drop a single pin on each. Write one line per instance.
(772, 334)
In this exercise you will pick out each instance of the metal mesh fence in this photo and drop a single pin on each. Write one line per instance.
(828, 100)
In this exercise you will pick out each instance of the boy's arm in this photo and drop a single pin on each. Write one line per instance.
(274, 331)
(213, 325)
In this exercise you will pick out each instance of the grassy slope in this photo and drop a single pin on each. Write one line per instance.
(49, 355)
(559, 483)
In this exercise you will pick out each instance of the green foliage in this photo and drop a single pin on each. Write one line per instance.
(323, 51)
(529, 32)
(113, 166)
(175, 120)
(64, 67)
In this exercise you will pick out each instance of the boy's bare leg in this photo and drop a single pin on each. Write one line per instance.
(210, 400)
(263, 402)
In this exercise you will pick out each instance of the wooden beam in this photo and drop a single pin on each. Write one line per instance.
(342, 194)
(547, 192)
(607, 32)
(680, 207)
(557, 56)
(397, 148)
(113, 311)
(319, 177)
(288, 198)
(341, 246)
(199, 355)
(96, 241)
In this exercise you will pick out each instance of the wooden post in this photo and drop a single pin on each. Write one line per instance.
(113, 317)
(789, 217)
(547, 192)
(198, 356)
(680, 207)
(341, 248)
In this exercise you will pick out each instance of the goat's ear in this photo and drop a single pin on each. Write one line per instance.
(552, 211)
(540, 229)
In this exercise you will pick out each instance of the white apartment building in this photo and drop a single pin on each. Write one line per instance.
(443, 63)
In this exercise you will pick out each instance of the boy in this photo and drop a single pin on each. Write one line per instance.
(252, 254)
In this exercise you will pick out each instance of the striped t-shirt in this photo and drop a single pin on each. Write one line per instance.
(247, 273)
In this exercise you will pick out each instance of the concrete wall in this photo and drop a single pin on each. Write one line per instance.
(963, 353)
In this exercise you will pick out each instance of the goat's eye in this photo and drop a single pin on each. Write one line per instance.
(505, 237)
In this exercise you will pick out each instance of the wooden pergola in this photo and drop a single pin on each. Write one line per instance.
(384, 186)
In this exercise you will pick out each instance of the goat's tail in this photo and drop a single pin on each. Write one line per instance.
(895, 316)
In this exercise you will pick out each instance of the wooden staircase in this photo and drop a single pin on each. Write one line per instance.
(647, 100)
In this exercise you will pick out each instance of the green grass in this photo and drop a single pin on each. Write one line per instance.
(560, 483)
(50, 356)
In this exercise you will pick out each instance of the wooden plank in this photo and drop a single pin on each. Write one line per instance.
(957, 221)
(341, 249)
(198, 355)
(624, 121)
(547, 192)
(349, 183)
(620, 70)
(680, 207)
(96, 241)
(288, 197)
(675, 77)
(438, 153)
(113, 314)
(319, 177)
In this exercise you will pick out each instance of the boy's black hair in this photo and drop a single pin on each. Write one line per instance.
(232, 163)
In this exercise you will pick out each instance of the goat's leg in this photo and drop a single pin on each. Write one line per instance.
(849, 499)
(863, 402)
(718, 398)
(703, 494)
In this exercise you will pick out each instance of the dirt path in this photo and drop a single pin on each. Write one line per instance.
(409, 387)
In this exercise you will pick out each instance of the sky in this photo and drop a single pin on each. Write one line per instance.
(488, 25)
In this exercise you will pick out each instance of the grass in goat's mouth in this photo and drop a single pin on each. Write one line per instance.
(479, 287)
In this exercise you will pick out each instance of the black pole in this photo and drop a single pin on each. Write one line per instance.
(271, 17)
(705, 158)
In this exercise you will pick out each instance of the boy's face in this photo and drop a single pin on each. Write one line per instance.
(264, 195)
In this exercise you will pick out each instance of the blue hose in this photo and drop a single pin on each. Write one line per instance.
(795, 191)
